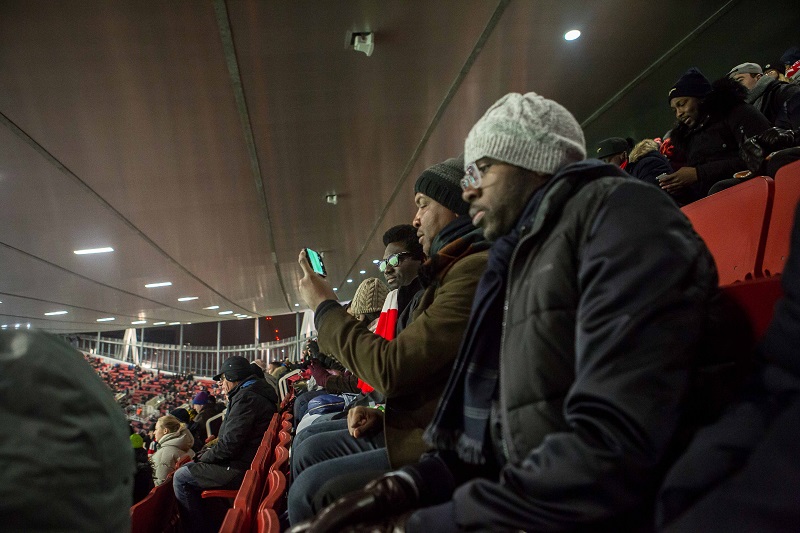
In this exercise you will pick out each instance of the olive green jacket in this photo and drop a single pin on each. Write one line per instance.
(411, 370)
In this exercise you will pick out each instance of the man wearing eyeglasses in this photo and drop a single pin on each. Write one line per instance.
(410, 370)
(571, 386)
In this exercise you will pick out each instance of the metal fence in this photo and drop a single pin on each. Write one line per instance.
(197, 360)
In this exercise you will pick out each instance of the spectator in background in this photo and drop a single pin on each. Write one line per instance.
(65, 455)
(143, 476)
(400, 265)
(713, 122)
(643, 161)
(174, 442)
(251, 404)
(777, 100)
(262, 372)
(277, 369)
(205, 410)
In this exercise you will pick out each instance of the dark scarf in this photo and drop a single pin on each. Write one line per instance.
(462, 418)
(456, 240)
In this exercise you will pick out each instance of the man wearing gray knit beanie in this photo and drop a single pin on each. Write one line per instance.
(572, 380)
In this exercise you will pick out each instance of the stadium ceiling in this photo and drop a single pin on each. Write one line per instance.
(202, 140)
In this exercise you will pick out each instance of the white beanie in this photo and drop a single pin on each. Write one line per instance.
(528, 131)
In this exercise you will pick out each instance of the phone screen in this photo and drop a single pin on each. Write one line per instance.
(316, 262)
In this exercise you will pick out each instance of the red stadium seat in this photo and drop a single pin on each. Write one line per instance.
(158, 511)
(733, 223)
(281, 460)
(787, 195)
(273, 503)
(757, 298)
(235, 522)
(267, 521)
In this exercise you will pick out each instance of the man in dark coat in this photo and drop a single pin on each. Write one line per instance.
(779, 101)
(251, 404)
(642, 160)
(713, 123)
(742, 472)
(571, 385)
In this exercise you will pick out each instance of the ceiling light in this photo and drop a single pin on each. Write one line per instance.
(159, 323)
(174, 323)
(139, 322)
(54, 313)
(212, 307)
(362, 271)
(4, 326)
(29, 325)
(571, 35)
(94, 251)
(349, 281)
(226, 312)
(335, 289)
(107, 319)
(159, 284)
(16, 326)
(187, 298)
(297, 305)
(376, 261)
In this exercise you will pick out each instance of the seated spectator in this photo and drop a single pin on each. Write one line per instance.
(411, 369)
(184, 415)
(143, 476)
(741, 473)
(778, 101)
(713, 122)
(205, 410)
(261, 371)
(277, 369)
(174, 442)
(570, 389)
(643, 160)
(65, 453)
(251, 404)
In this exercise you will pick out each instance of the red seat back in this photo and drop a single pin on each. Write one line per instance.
(787, 195)
(757, 298)
(733, 223)
(158, 511)
(235, 522)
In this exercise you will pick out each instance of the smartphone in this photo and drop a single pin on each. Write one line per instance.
(315, 260)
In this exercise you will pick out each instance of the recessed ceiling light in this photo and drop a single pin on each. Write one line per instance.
(159, 284)
(4, 326)
(187, 298)
(94, 251)
(226, 312)
(376, 261)
(53, 313)
(107, 319)
(349, 281)
(362, 271)
(139, 322)
(159, 323)
(212, 307)
(297, 305)
(29, 325)
(335, 289)
(174, 323)
(571, 35)
(16, 326)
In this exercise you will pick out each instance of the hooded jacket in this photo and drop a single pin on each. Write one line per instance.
(646, 162)
(712, 145)
(171, 448)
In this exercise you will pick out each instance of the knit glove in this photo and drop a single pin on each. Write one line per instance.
(379, 503)
(320, 374)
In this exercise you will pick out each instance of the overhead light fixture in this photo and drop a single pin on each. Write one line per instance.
(16, 326)
(212, 307)
(349, 281)
(362, 271)
(107, 319)
(226, 312)
(159, 323)
(363, 41)
(159, 284)
(376, 261)
(29, 325)
(54, 313)
(88, 251)
(187, 298)
(4, 326)
(174, 323)
(335, 289)
(571, 35)
(297, 305)
(139, 322)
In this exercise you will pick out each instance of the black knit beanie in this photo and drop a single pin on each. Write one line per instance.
(692, 83)
(442, 182)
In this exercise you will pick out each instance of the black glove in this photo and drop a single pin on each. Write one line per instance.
(380, 500)
(757, 148)
(775, 139)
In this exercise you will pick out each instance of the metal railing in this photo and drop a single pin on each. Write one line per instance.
(197, 360)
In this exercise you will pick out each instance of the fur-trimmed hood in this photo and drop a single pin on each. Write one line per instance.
(643, 147)
(725, 95)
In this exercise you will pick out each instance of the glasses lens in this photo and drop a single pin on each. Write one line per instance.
(472, 178)
(392, 261)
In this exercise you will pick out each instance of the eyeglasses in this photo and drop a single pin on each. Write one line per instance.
(474, 176)
(392, 261)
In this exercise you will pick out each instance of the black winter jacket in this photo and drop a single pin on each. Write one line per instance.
(778, 101)
(646, 162)
(712, 146)
(250, 408)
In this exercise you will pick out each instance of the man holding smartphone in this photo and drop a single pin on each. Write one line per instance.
(410, 370)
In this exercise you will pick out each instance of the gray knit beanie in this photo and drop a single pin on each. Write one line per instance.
(528, 131)
(442, 182)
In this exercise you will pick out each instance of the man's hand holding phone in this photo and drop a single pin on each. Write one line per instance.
(313, 288)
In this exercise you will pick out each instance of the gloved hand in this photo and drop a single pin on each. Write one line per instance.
(757, 148)
(320, 374)
(379, 503)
